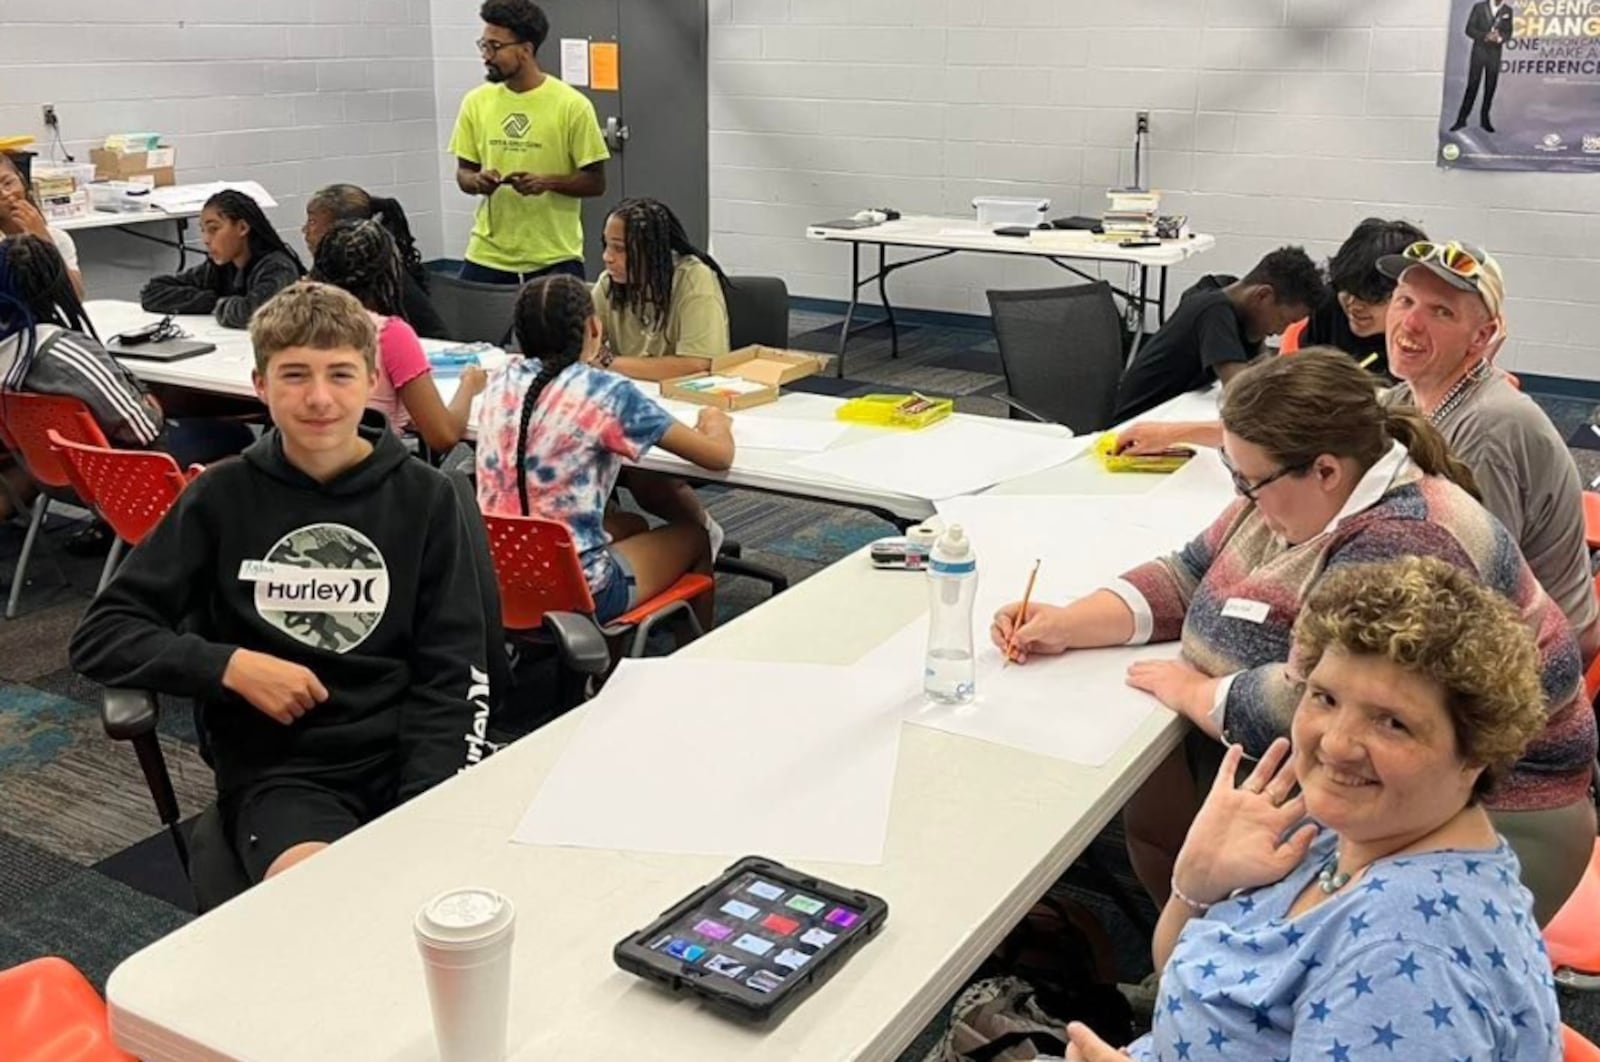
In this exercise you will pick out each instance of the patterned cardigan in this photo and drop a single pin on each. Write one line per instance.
(1239, 557)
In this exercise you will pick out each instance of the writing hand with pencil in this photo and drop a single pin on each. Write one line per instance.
(1023, 628)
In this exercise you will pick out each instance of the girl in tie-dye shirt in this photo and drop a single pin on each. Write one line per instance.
(552, 435)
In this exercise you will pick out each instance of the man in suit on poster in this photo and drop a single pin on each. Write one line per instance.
(1489, 26)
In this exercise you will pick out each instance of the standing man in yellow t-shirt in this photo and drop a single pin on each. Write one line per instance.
(530, 146)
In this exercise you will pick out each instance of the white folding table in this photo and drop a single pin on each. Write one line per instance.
(942, 237)
(319, 965)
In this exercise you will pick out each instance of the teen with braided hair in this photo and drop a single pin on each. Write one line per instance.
(361, 258)
(660, 300)
(246, 264)
(552, 436)
(347, 202)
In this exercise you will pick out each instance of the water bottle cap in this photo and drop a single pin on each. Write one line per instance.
(954, 543)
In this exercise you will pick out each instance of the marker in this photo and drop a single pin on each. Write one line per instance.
(1366, 362)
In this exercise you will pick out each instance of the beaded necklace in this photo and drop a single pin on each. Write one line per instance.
(1458, 394)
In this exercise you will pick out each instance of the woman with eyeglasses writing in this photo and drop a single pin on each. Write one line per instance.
(1327, 477)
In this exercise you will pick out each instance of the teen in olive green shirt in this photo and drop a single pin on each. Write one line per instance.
(530, 146)
(660, 299)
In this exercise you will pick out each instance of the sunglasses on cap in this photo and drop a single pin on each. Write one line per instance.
(1453, 256)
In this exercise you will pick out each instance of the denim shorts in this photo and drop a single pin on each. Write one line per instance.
(617, 594)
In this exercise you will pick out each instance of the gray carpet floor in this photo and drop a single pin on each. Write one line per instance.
(86, 872)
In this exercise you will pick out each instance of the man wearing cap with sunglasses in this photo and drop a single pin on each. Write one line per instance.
(1445, 325)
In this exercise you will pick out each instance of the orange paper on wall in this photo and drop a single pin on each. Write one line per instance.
(604, 75)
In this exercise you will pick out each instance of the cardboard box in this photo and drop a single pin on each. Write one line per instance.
(759, 372)
(158, 165)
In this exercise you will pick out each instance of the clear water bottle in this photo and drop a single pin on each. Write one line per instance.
(948, 675)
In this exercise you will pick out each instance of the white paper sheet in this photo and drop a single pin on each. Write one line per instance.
(956, 456)
(575, 61)
(1076, 707)
(177, 198)
(1081, 543)
(752, 431)
(795, 761)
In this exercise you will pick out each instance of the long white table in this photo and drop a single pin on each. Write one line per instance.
(942, 237)
(319, 965)
(227, 371)
(130, 221)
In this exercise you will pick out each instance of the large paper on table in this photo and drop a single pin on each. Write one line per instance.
(795, 761)
(961, 455)
(757, 432)
(1076, 707)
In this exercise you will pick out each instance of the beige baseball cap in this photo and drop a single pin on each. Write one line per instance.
(1486, 280)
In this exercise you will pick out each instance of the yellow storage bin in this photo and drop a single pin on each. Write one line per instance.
(1105, 449)
(909, 412)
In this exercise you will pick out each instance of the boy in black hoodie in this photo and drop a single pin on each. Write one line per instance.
(317, 598)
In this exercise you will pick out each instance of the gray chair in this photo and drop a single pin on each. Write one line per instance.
(758, 312)
(1061, 350)
(473, 312)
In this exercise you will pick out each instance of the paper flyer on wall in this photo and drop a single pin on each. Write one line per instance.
(1522, 86)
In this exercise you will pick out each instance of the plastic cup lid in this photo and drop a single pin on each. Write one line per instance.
(465, 916)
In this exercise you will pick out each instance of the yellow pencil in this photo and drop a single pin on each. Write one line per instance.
(1366, 362)
(1022, 615)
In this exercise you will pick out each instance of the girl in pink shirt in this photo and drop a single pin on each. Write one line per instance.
(361, 257)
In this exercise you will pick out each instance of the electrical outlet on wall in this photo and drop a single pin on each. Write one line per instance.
(1143, 118)
(50, 119)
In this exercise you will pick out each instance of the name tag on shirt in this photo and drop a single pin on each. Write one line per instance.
(1245, 609)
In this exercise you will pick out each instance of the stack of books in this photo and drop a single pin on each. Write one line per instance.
(1130, 214)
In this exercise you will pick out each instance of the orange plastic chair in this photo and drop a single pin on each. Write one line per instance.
(1573, 936)
(537, 567)
(130, 489)
(1289, 341)
(1591, 519)
(1574, 1048)
(27, 418)
(50, 1013)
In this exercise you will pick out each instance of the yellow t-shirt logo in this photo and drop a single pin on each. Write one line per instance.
(516, 126)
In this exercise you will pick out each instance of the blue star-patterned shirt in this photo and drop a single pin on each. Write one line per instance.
(1426, 956)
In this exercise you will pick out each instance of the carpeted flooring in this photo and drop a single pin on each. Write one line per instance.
(86, 871)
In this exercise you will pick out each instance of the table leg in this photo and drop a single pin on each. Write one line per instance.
(183, 244)
(1144, 295)
(850, 309)
(1161, 310)
(883, 297)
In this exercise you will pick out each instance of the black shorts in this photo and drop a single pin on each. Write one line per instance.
(268, 817)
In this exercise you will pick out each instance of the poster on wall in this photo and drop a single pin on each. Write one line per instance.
(1522, 86)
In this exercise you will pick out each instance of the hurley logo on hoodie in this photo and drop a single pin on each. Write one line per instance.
(324, 585)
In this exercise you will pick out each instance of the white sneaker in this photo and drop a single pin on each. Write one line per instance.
(715, 532)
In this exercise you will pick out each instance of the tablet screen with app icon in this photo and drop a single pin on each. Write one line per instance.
(755, 941)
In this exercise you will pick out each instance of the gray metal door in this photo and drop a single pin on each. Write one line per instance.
(657, 126)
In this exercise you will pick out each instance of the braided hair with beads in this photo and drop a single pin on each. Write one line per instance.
(552, 317)
(349, 202)
(653, 238)
(361, 258)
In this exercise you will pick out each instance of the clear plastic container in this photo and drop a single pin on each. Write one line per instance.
(949, 675)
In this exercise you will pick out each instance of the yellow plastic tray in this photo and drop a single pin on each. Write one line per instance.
(1105, 446)
(887, 411)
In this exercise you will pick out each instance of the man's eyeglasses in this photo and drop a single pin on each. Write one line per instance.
(1453, 256)
(492, 48)
(1252, 490)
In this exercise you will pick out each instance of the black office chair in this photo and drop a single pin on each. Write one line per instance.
(474, 312)
(1061, 351)
(209, 859)
(758, 313)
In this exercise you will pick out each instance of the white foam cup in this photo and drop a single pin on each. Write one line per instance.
(465, 937)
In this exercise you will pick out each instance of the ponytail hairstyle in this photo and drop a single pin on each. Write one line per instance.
(35, 289)
(1321, 402)
(652, 236)
(349, 202)
(360, 257)
(552, 316)
(264, 239)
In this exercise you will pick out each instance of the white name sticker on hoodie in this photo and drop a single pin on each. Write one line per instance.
(324, 585)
